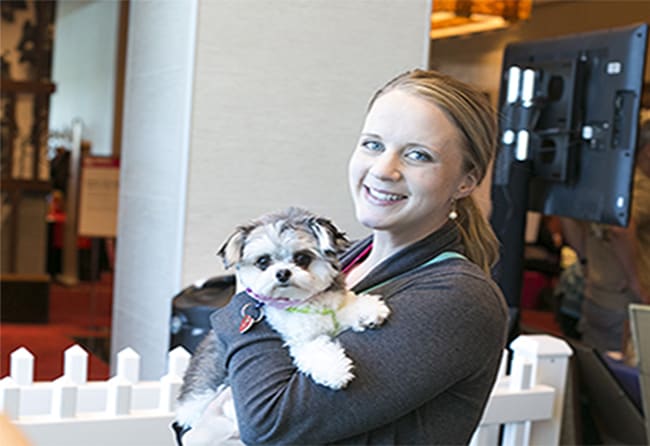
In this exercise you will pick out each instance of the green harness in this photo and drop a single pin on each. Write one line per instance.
(329, 312)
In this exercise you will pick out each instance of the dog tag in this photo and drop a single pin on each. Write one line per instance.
(246, 323)
(248, 320)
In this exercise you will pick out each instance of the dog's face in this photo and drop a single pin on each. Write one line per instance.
(289, 256)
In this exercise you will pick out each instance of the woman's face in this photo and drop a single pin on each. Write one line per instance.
(407, 167)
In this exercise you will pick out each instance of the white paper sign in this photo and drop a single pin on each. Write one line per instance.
(98, 196)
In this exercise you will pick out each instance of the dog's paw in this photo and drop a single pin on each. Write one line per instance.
(324, 361)
(190, 410)
(215, 426)
(371, 311)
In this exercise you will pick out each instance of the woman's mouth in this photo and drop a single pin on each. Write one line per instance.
(382, 197)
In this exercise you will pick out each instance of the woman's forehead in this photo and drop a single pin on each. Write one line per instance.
(405, 116)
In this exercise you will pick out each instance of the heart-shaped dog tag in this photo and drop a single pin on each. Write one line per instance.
(246, 323)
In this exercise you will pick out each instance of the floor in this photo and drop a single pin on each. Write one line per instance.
(79, 314)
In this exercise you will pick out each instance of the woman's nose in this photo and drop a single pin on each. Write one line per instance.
(386, 167)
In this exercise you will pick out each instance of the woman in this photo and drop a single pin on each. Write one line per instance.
(425, 375)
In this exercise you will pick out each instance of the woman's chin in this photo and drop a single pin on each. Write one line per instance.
(374, 222)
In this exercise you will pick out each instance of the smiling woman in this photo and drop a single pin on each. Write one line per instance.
(425, 375)
(406, 172)
(425, 146)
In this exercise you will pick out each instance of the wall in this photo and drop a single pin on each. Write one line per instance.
(276, 93)
(279, 99)
(84, 61)
(477, 58)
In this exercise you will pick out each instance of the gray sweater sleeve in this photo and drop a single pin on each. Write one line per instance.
(442, 342)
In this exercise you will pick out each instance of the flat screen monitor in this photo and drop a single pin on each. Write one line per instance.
(576, 100)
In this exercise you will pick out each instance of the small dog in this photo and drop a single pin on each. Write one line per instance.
(287, 262)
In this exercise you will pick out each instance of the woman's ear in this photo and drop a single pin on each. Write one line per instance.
(467, 185)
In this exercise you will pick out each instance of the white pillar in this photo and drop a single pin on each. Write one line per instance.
(155, 150)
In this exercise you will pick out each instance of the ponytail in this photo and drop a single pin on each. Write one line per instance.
(478, 238)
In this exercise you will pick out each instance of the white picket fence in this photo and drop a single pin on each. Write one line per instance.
(70, 410)
(527, 404)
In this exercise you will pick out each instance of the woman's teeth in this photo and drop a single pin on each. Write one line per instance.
(383, 196)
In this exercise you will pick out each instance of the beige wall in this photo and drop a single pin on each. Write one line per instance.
(232, 109)
(279, 96)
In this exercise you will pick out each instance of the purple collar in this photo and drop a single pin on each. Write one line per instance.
(276, 302)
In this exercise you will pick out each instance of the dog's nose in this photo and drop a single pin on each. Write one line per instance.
(283, 275)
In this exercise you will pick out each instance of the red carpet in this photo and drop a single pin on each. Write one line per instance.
(536, 321)
(47, 343)
(79, 314)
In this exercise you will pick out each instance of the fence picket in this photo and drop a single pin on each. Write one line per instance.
(9, 398)
(170, 384)
(518, 434)
(118, 397)
(549, 357)
(178, 360)
(128, 365)
(75, 364)
(22, 367)
(64, 398)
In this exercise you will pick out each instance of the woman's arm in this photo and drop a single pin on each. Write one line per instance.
(432, 340)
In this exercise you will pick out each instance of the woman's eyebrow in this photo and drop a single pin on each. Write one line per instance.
(428, 146)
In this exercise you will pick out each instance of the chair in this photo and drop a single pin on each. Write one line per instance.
(616, 418)
(640, 325)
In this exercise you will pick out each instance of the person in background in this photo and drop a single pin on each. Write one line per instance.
(615, 262)
(424, 377)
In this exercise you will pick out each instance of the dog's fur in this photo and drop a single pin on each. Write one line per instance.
(288, 260)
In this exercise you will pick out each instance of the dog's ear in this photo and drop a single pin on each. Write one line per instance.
(231, 251)
(330, 239)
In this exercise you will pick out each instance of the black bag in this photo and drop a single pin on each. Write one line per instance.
(192, 307)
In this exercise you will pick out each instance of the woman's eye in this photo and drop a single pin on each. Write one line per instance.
(418, 155)
(263, 262)
(302, 259)
(373, 146)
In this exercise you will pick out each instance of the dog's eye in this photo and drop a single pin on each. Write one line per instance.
(302, 259)
(263, 262)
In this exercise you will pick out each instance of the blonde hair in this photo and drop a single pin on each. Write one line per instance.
(475, 118)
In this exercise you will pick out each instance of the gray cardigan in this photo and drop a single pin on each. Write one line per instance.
(423, 377)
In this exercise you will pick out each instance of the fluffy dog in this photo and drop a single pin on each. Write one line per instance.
(287, 262)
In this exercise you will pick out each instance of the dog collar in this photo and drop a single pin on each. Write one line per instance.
(252, 314)
(281, 303)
